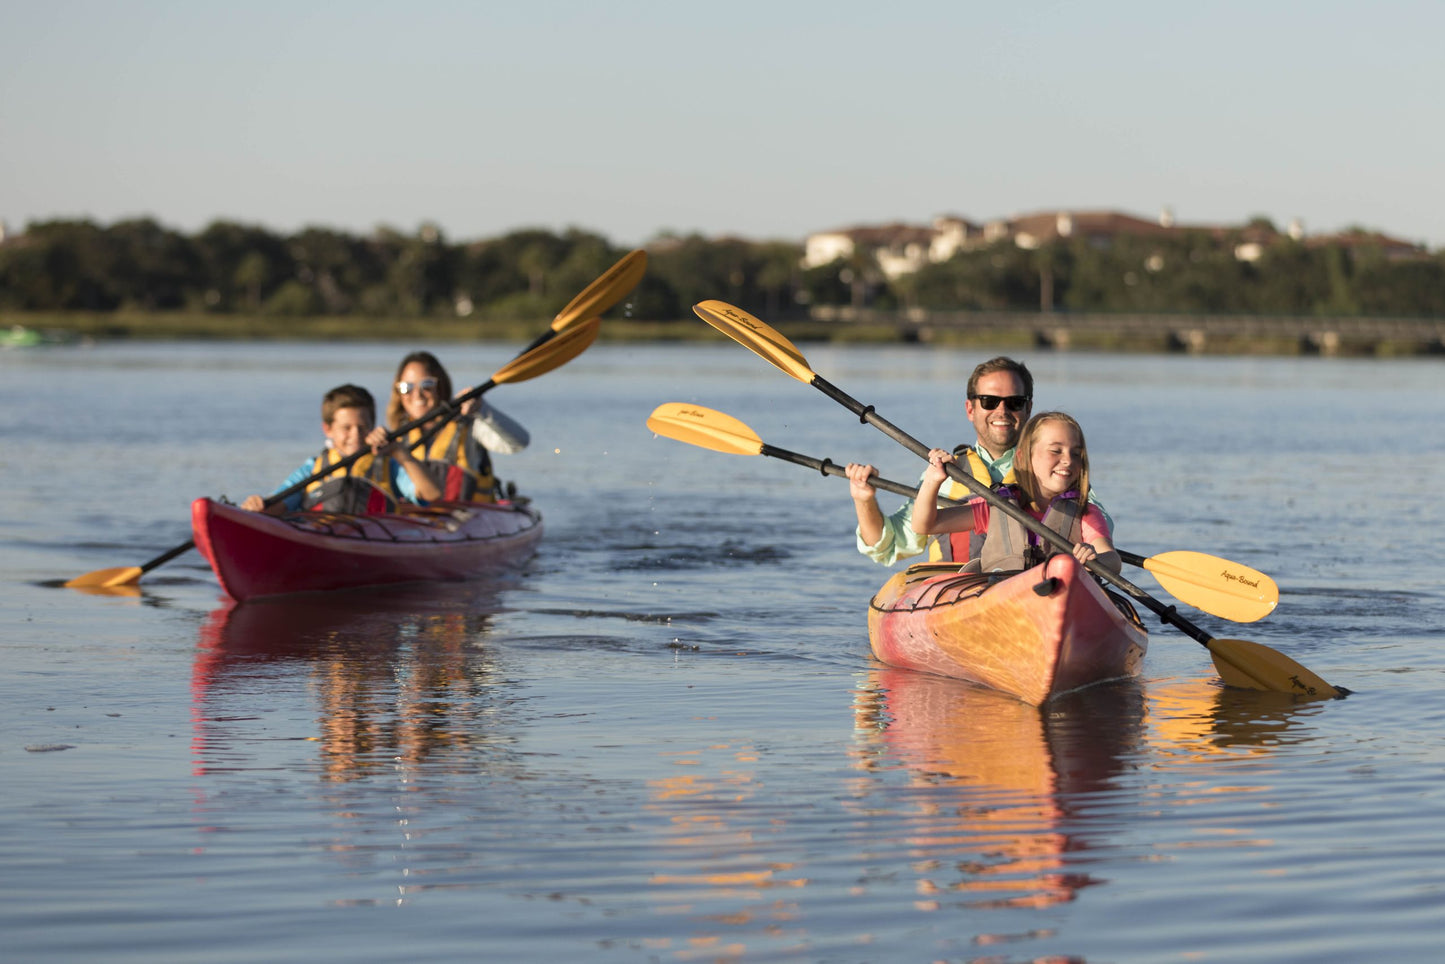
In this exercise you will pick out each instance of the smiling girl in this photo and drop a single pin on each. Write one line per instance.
(1051, 465)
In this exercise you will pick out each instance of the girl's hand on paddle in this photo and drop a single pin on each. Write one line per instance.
(253, 503)
(1085, 552)
(858, 485)
(470, 405)
(937, 459)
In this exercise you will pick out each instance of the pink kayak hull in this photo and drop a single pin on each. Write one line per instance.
(1007, 635)
(254, 554)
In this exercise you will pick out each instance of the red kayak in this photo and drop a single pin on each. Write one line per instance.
(1045, 631)
(254, 554)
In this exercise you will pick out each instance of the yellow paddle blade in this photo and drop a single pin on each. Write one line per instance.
(609, 288)
(107, 578)
(748, 331)
(553, 353)
(1226, 589)
(704, 427)
(1255, 666)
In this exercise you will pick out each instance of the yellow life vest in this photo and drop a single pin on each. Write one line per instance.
(940, 548)
(363, 488)
(448, 459)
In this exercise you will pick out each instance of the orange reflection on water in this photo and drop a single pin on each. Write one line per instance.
(713, 852)
(1219, 737)
(1202, 720)
(999, 775)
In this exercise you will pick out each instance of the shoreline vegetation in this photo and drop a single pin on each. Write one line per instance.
(1061, 331)
(1069, 282)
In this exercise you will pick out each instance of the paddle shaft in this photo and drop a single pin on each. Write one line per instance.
(445, 410)
(541, 340)
(165, 557)
(829, 467)
(867, 415)
(1132, 558)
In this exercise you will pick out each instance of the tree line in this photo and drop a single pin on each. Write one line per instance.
(141, 265)
(1191, 272)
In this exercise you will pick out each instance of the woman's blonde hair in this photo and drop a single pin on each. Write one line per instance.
(1024, 463)
(395, 414)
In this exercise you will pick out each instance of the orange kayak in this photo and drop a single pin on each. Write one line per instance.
(255, 554)
(1034, 635)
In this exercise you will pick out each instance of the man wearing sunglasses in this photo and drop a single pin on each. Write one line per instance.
(1000, 399)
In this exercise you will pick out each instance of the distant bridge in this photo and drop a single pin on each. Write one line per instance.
(1202, 334)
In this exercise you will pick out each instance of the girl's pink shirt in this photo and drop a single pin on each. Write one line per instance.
(1092, 525)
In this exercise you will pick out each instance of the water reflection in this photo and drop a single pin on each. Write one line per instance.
(1196, 720)
(399, 677)
(1009, 795)
(132, 591)
(965, 798)
(1000, 781)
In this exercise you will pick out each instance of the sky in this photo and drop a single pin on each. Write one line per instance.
(760, 120)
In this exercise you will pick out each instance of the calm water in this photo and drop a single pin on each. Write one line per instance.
(664, 740)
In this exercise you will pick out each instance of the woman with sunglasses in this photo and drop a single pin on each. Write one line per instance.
(455, 451)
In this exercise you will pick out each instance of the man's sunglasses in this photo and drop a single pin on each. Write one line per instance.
(1014, 403)
(425, 385)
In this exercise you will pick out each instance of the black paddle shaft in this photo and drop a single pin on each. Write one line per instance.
(829, 467)
(448, 409)
(167, 556)
(867, 415)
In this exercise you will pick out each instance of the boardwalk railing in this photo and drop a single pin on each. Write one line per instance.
(1155, 332)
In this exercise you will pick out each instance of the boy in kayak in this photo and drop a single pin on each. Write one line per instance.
(1051, 469)
(372, 483)
(1000, 399)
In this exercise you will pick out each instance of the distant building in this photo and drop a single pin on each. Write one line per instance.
(899, 249)
(1251, 239)
(1099, 228)
(1358, 239)
(825, 247)
(953, 234)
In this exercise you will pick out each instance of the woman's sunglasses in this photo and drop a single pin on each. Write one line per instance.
(1014, 403)
(425, 385)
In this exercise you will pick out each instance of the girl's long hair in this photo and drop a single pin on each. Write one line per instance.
(1024, 463)
(395, 414)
